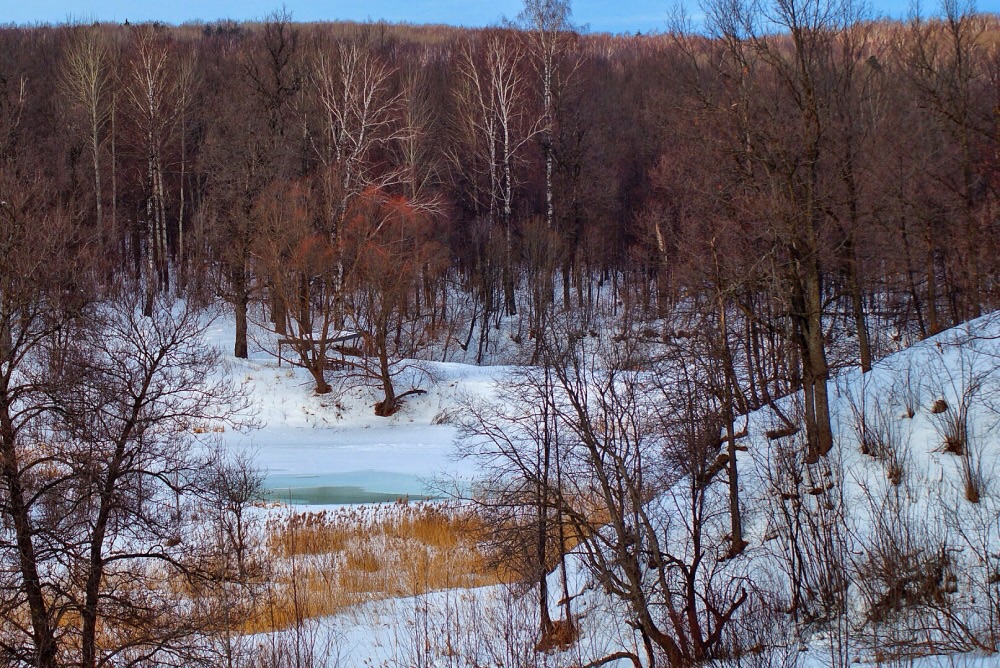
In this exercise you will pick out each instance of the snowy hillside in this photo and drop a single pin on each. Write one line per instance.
(908, 502)
(906, 508)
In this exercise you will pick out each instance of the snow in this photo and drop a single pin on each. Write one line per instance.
(333, 449)
(335, 441)
(924, 508)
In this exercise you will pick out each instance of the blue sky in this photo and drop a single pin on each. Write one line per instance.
(598, 15)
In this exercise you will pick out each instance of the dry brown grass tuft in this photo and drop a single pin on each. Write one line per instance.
(331, 560)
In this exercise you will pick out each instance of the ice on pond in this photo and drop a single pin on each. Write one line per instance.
(346, 488)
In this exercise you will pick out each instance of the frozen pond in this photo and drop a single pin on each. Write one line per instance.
(349, 487)
(335, 466)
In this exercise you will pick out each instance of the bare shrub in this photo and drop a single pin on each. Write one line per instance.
(924, 578)
(312, 644)
(973, 479)
(763, 634)
(908, 389)
(901, 573)
(808, 516)
(953, 427)
(965, 377)
(878, 431)
(493, 626)
(975, 531)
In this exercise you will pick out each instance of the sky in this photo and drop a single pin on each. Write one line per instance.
(614, 16)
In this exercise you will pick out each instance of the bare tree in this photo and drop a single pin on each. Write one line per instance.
(367, 281)
(493, 109)
(275, 72)
(41, 305)
(188, 75)
(98, 406)
(946, 65)
(649, 458)
(630, 464)
(145, 387)
(152, 92)
(548, 25)
(303, 267)
(359, 110)
(86, 81)
(517, 435)
(420, 158)
(789, 182)
(389, 242)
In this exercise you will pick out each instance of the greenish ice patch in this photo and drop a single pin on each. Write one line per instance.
(345, 488)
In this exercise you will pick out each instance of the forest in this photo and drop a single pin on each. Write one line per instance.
(680, 244)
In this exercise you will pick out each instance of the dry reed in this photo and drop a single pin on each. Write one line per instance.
(331, 560)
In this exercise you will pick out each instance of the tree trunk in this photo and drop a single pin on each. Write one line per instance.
(151, 276)
(241, 300)
(737, 544)
(858, 309)
(318, 373)
(387, 406)
(161, 223)
(181, 271)
(816, 375)
(933, 323)
(542, 511)
(20, 513)
(88, 640)
(279, 315)
(114, 167)
(96, 149)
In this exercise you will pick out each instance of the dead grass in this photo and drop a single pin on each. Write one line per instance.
(332, 560)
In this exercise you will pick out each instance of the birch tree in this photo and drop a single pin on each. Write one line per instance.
(152, 91)
(547, 23)
(493, 102)
(359, 109)
(86, 80)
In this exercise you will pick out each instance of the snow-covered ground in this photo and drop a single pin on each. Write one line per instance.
(901, 495)
(333, 449)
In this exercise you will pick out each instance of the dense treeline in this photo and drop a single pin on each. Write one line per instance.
(793, 189)
(839, 168)
(819, 173)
